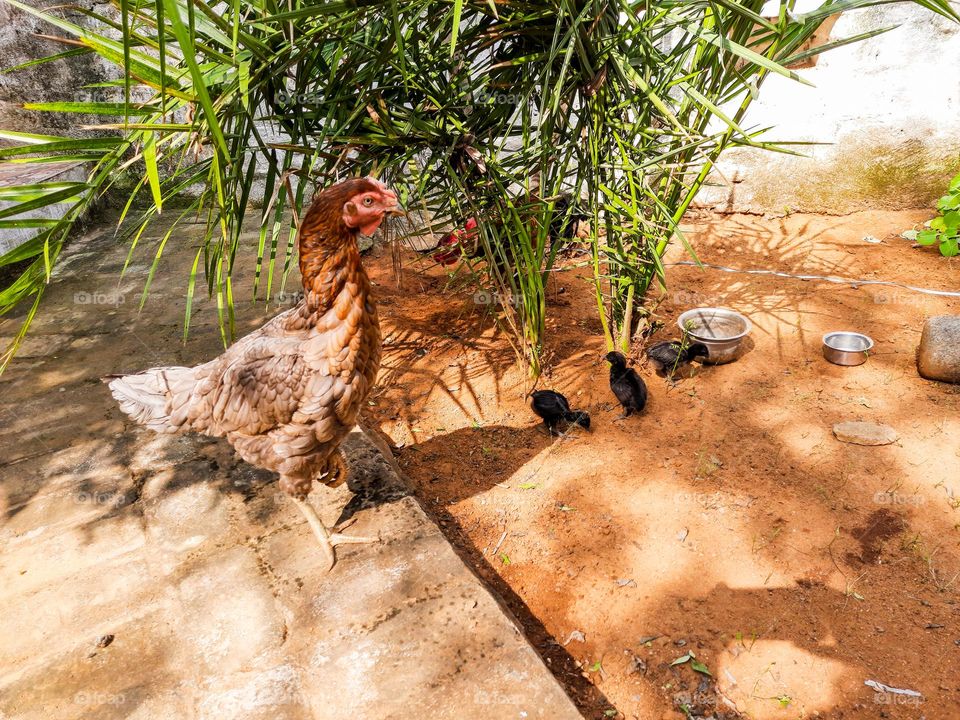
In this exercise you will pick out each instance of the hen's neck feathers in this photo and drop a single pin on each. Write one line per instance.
(329, 256)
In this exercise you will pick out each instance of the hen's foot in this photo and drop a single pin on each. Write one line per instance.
(327, 540)
(340, 539)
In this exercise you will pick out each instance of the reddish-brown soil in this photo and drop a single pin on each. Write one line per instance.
(726, 522)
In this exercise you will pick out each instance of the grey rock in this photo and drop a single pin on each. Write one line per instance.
(938, 357)
(865, 433)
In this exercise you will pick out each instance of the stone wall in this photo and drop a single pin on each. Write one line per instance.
(47, 82)
(888, 109)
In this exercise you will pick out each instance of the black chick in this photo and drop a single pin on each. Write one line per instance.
(554, 408)
(626, 384)
(667, 357)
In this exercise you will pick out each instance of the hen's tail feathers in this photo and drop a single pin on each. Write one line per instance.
(151, 397)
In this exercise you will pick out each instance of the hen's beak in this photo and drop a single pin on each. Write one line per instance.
(397, 209)
(393, 206)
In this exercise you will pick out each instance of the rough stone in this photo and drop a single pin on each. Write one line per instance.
(865, 433)
(938, 357)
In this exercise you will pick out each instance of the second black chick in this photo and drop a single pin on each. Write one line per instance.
(626, 384)
(667, 357)
(554, 409)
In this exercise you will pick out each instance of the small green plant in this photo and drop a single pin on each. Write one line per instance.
(943, 230)
(684, 344)
(694, 663)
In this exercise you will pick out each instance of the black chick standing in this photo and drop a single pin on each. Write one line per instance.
(554, 408)
(626, 384)
(667, 357)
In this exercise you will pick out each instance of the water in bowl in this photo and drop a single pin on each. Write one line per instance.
(715, 327)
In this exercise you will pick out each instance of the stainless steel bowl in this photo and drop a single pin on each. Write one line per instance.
(846, 348)
(721, 330)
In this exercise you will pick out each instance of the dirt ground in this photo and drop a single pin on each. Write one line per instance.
(725, 527)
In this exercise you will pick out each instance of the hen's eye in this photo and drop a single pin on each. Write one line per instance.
(368, 201)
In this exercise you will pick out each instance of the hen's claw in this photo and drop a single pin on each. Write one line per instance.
(328, 541)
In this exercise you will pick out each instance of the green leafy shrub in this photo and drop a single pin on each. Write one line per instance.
(471, 108)
(944, 231)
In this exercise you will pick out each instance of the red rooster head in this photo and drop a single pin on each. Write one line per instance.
(451, 241)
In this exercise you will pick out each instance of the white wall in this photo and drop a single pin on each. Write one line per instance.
(889, 106)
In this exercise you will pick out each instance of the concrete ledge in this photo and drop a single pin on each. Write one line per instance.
(218, 609)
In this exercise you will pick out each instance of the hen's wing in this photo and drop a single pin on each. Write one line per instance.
(254, 386)
(549, 403)
(291, 373)
(629, 389)
(278, 375)
(639, 390)
(663, 354)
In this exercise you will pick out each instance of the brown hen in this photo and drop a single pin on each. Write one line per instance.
(286, 395)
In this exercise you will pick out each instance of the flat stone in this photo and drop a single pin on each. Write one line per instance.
(938, 357)
(228, 620)
(271, 694)
(39, 346)
(180, 520)
(865, 433)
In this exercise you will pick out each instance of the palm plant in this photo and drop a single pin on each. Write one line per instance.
(486, 109)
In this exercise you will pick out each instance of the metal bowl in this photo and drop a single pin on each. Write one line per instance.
(846, 348)
(721, 330)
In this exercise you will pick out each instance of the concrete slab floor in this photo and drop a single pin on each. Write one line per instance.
(147, 576)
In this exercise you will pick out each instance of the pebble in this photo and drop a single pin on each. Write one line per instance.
(865, 433)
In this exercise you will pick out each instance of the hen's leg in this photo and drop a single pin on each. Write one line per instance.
(328, 540)
(335, 476)
(298, 490)
(319, 529)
